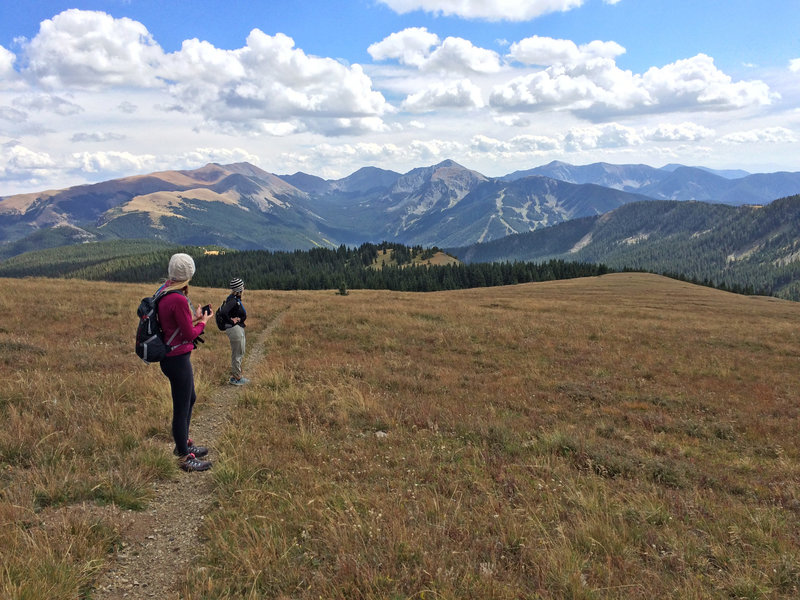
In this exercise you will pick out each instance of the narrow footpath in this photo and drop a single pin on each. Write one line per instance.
(162, 542)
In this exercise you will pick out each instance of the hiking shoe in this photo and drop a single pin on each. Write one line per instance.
(191, 463)
(240, 381)
(198, 451)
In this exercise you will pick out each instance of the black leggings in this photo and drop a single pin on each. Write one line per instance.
(178, 370)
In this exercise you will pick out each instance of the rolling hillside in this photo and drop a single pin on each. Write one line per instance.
(754, 248)
(625, 436)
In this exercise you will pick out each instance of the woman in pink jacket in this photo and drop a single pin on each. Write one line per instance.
(179, 320)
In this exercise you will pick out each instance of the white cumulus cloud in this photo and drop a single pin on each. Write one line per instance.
(270, 80)
(9, 78)
(203, 156)
(589, 83)
(266, 86)
(339, 158)
(697, 83)
(412, 153)
(548, 51)
(88, 81)
(7, 60)
(517, 145)
(770, 135)
(114, 162)
(496, 10)
(534, 143)
(456, 94)
(202, 62)
(680, 132)
(552, 89)
(92, 49)
(350, 126)
(612, 135)
(411, 46)
(459, 55)
(17, 162)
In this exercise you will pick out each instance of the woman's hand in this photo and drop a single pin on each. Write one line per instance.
(201, 317)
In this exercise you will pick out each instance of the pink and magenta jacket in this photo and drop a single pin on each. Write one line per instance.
(174, 314)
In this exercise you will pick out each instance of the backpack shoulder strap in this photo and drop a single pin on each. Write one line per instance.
(156, 299)
(227, 305)
(160, 294)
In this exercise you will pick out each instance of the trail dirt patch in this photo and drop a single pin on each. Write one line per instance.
(161, 543)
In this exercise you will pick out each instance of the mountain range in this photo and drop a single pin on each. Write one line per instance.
(244, 207)
(674, 182)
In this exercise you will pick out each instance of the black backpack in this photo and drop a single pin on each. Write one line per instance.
(150, 344)
(222, 313)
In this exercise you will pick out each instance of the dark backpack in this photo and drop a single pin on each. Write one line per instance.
(221, 316)
(150, 344)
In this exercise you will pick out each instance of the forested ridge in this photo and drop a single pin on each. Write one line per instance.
(748, 249)
(319, 268)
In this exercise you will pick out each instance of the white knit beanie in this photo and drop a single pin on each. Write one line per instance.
(181, 267)
(236, 285)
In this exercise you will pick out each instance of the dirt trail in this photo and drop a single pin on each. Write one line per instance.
(162, 542)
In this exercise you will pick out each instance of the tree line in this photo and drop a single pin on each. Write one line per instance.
(349, 268)
(315, 269)
(360, 268)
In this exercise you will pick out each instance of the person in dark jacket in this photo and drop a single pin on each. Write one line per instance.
(235, 315)
(178, 319)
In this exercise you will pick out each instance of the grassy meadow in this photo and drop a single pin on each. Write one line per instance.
(627, 436)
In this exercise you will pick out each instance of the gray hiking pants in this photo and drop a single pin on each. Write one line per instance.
(236, 336)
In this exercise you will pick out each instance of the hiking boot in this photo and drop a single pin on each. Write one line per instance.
(191, 463)
(240, 381)
(198, 451)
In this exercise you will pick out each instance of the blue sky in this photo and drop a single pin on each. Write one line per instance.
(91, 90)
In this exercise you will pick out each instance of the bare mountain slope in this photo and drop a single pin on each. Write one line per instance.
(238, 205)
(242, 206)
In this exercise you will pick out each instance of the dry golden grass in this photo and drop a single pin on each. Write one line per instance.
(627, 436)
(85, 426)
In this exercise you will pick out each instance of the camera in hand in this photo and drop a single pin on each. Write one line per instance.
(207, 309)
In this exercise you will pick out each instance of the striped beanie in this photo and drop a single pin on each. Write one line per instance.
(236, 285)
